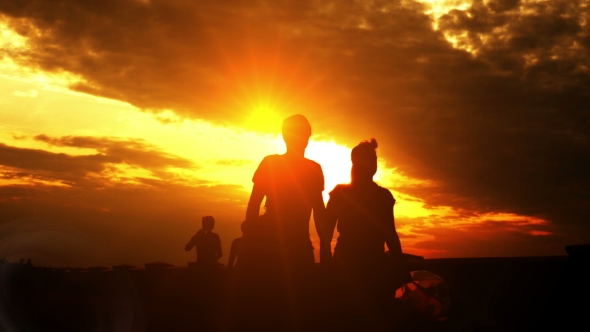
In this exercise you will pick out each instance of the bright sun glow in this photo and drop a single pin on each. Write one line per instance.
(263, 117)
(335, 162)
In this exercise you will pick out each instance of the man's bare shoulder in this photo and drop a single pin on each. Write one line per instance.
(271, 158)
(340, 188)
(312, 163)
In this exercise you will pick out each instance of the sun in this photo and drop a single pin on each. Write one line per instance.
(263, 117)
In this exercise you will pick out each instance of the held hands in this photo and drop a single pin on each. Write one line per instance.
(325, 254)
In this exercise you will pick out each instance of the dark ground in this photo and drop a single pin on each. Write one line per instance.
(487, 294)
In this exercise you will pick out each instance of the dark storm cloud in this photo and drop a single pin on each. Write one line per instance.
(504, 128)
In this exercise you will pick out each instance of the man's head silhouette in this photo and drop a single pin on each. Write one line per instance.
(364, 160)
(296, 133)
(208, 223)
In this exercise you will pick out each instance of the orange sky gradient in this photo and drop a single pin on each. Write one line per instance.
(117, 135)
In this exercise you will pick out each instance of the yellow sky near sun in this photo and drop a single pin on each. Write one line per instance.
(30, 106)
(38, 103)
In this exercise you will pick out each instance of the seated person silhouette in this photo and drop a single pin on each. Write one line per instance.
(234, 252)
(363, 212)
(292, 185)
(207, 244)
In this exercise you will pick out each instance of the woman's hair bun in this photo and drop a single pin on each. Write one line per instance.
(373, 143)
(364, 150)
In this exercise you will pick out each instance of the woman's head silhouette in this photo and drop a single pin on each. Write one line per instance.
(364, 161)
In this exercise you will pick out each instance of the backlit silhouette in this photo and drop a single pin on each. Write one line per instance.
(276, 257)
(363, 212)
(292, 185)
(207, 243)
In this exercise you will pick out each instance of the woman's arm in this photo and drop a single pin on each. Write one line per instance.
(327, 232)
(319, 211)
(391, 237)
(232, 255)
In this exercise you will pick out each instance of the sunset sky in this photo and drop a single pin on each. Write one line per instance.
(123, 122)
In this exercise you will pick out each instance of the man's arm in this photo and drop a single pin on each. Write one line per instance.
(190, 245)
(319, 211)
(256, 197)
(218, 249)
(232, 255)
(329, 224)
(395, 249)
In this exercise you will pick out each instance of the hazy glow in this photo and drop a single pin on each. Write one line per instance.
(223, 155)
(219, 155)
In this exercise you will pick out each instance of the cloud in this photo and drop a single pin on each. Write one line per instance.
(133, 152)
(232, 162)
(116, 160)
(30, 93)
(492, 106)
(40, 160)
(481, 235)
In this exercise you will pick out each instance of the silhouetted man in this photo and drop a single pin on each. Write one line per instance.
(207, 243)
(292, 185)
(277, 254)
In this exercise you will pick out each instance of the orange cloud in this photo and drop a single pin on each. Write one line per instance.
(480, 235)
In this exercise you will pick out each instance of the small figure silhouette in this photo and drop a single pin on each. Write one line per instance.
(234, 252)
(207, 243)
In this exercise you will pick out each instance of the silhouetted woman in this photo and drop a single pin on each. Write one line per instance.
(363, 212)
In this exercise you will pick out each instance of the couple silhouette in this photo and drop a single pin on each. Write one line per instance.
(276, 261)
(293, 185)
